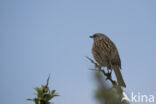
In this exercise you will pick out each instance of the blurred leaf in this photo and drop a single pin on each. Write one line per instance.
(105, 93)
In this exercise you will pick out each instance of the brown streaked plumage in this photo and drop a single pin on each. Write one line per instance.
(106, 54)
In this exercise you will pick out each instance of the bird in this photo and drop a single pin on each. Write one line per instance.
(106, 55)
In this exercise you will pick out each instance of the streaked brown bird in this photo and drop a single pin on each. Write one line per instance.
(106, 54)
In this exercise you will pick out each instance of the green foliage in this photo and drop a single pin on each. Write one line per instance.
(43, 94)
(106, 93)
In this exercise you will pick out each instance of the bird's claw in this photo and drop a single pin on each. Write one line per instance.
(108, 75)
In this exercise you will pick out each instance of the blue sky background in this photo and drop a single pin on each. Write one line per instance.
(38, 37)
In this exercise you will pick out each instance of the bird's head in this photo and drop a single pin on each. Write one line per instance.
(98, 36)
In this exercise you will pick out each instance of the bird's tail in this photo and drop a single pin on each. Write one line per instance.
(119, 76)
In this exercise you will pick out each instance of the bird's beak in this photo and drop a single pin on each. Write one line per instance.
(91, 36)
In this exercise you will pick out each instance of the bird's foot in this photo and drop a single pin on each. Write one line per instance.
(109, 75)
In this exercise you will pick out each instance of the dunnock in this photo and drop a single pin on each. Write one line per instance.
(106, 54)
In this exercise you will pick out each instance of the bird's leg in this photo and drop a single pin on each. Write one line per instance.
(107, 70)
(109, 74)
(111, 71)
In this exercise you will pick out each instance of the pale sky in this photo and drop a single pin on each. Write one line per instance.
(38, 37)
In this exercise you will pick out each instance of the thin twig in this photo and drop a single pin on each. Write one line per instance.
(47, 81)
(99, 68)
